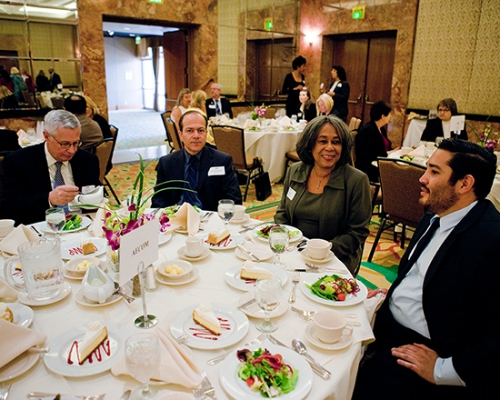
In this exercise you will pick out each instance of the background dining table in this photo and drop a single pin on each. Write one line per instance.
(167, 301)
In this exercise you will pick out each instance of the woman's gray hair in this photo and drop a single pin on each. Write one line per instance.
(57, 119)
(308, 138)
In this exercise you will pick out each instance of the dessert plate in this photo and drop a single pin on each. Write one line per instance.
(164, 238)
(329, 257)
(227, 244)
(239, 221)
(253, 310)
(73, 248)
(114, 298)
(23, 315)
(204, 254)
(297, 233)
(62, 350)
(176, 282)
(350, 300)
(85, 224)
(264, 253)
(234, 327)
(28, 301)
(238, 389)
(18, 366)
(232, 276)
(312, 337)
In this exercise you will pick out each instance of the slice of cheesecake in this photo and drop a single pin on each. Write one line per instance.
(250, 271)
(6, 313)
(215, 237)
(204, 316)
(96, 334)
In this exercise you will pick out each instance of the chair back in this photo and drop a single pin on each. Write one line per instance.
(231, 140)
(9, 140)
(104, 152)
(28, 98)
(114, 134)
(271, 112)
(400, 184)
(172, 134)
(354, 123)
(167, 114)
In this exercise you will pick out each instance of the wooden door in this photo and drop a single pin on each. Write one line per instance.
(175, 53)
(368, 60)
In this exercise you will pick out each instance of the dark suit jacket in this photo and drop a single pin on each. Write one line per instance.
(369, 145)
(434, 128)
(310, 111)
(211, 189)
(226, 107)
(460, 300)
(340, 109)
(54, 80)
(27, 185)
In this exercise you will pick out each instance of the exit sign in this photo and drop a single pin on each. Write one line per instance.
(358, 12)
(268, 24)
(156, 1)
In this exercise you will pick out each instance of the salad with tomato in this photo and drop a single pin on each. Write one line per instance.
(266, 373)
(264, 232)
(334, 287)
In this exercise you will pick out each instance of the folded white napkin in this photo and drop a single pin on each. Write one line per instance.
(223, 120)
(249, 123)
(274, 123)
(175, 365)
(24, 139)
(98, 223)
(6, 291)
(21, 234)
(16, 340)
(418, 152)
(284, 121)
(186, 216)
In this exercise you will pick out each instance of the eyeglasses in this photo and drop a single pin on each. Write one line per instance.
(66, 145)
(443, 110)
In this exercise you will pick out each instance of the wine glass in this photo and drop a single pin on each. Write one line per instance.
(56, 219)
(268, 297)
(142, 357)
(226, 210)
(278, 241)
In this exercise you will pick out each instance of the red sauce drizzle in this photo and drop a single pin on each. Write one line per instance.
(97, 352)
(226, 242)
(75, 251)
(203, 333)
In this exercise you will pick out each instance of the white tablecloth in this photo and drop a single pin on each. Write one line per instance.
(414, 132)
(165, 303)
(272, 147)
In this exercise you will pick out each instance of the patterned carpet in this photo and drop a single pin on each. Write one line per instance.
(379, 273)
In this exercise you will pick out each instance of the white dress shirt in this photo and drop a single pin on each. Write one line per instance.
(406, 300)
(66, 171)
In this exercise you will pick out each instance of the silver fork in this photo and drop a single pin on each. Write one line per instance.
(295, 281)
(4, 392)
(207, 387)
(258, 340)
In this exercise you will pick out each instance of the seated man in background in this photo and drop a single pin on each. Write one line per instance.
(91, 134)
(218, 105)
(207, 171)
(48, 174)
(437, 331)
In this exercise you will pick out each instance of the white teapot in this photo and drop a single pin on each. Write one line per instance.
(97, 285)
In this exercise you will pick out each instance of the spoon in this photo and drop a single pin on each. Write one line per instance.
(308, 316)
(317, 268)
(119, 290)
(301, 348)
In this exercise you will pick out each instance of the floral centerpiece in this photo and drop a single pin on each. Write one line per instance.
(259, 111)
(486, 138)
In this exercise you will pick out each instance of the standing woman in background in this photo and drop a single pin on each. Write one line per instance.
(339, 91)
(183, 101)
(293, 84)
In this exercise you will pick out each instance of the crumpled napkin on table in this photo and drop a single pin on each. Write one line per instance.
(186, 216)
(418, 152)
(21, 234)
(24, 139)
(16, 340)
(249, 123)
(175, 365)
(284, 121)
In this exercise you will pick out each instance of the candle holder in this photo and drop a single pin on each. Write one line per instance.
(146, 320)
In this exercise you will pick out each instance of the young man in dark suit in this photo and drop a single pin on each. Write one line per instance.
(217, 105)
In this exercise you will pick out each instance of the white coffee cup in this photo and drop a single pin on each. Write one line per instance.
(239, 212)
(406, 150)
(318, 249)
(6, 227)
(330, 325)
(194, 246)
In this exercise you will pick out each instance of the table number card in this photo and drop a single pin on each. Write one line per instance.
(457, 123)
(140, 245)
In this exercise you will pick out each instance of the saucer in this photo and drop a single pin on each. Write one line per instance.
(176, 282)
(264, 253)
(82, 300)
(204, 254)
(329, 257)
(311, 336)
(239, 221)
(63, 293)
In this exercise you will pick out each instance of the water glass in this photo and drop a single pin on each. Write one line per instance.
(56, 219)
(268, 297)
(142, 357)
(226, 210)
(278, 241)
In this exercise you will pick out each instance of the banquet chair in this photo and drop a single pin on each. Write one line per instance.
(400, 185)
(270, 112)
(354, 123)
(231, 140)
(104, 152)
(290, 157)
(172, 135)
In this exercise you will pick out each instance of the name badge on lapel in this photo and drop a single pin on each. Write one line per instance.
(211, 106)
(215, 171)
(291, 193)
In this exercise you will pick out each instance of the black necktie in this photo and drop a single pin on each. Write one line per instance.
(192, 180)
(59, 181)
(217, 108)
(423, 242)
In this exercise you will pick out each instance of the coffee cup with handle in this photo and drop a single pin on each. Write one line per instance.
(194, 246)
(6, 227)
(318, 249)
(330, 325)
(239, 212)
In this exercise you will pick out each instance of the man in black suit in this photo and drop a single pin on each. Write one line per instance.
(31, 183)
(54, 79)
(437, 331)
(209, 172)
(217, 105)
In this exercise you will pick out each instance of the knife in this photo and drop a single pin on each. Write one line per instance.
(248, 252)
(318, 369)
(246, 304)
(249, 228)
